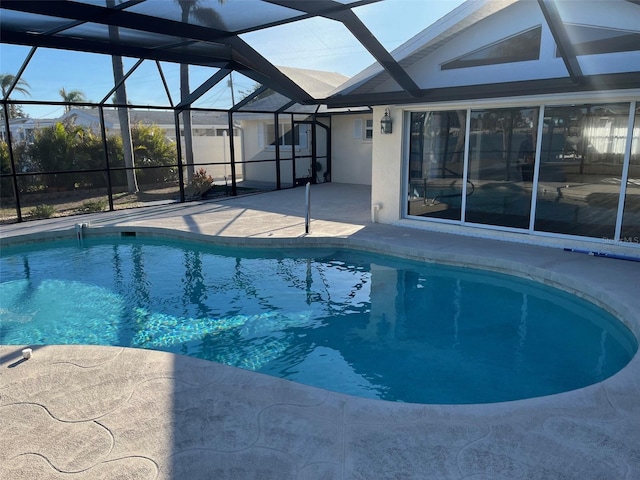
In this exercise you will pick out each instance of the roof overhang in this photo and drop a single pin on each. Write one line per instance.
(619, 81)
(375, 86)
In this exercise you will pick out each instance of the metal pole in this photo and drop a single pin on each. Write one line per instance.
(307, 204)
(232, 153)
(105, 146)
(14, 178)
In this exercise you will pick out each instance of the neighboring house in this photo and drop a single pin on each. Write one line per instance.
(23, 129)
(522, 127)
(204, 124)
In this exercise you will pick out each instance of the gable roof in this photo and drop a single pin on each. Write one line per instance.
(317, 83)
(567, 60)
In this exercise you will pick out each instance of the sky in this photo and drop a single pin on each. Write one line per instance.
(317, 43)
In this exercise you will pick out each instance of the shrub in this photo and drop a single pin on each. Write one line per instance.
(201, 180)
(43, 211)
(93, 206)
(151, 148)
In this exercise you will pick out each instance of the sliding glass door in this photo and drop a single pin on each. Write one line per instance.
(568, 170)
(581, 160)
(501, 160)
(436, 164)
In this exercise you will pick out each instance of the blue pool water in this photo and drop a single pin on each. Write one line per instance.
(363, 324)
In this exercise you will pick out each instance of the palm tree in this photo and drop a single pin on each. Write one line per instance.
(206, 16)
(21, 86)
(123, 112)
(186, 6)
(72, 96)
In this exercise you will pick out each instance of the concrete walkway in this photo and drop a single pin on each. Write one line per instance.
(90, 412)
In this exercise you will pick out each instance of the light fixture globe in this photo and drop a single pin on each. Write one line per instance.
(385, 122)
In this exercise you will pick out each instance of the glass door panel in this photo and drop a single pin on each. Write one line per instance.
(436, 164)
(581, 161)
(501, 164)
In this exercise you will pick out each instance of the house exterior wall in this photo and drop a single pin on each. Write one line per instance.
(350, 155)
(511, 21)
(259, 153)
(390, 162)
(253, 151)
(560, 168)
(387, 179)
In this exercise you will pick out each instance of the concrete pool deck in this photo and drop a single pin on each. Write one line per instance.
(107, 412)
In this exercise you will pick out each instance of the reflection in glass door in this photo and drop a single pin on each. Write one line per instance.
(501, 165)
(631, 215)
(436, 164)
(581, 161)
(482, 166)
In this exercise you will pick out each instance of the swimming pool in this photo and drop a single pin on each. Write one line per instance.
(358, 323)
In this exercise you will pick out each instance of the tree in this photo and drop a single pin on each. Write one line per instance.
(206, 16)
(62, 147)
(72, 96)
(5, 161)
(66, 146)
(123, 111)
(6, 186)
(244, 93)
(151, 148)
(6, 80)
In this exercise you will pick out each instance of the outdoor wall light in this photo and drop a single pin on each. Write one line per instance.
(385, 123)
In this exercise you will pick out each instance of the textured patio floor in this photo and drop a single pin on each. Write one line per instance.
(88, 412)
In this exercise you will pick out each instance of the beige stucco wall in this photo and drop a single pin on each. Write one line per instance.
(254, 149)
(215, 149)
(350, 157)
(387, 168)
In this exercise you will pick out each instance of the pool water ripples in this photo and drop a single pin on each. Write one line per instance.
(359, 323)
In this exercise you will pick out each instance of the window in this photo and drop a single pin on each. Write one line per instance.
(288, 137)
(202, 132)
(518, 48)
(363, 129)
(631, 216)
(501, 166)
(368, 129)
(221, 132)
(589, 40)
